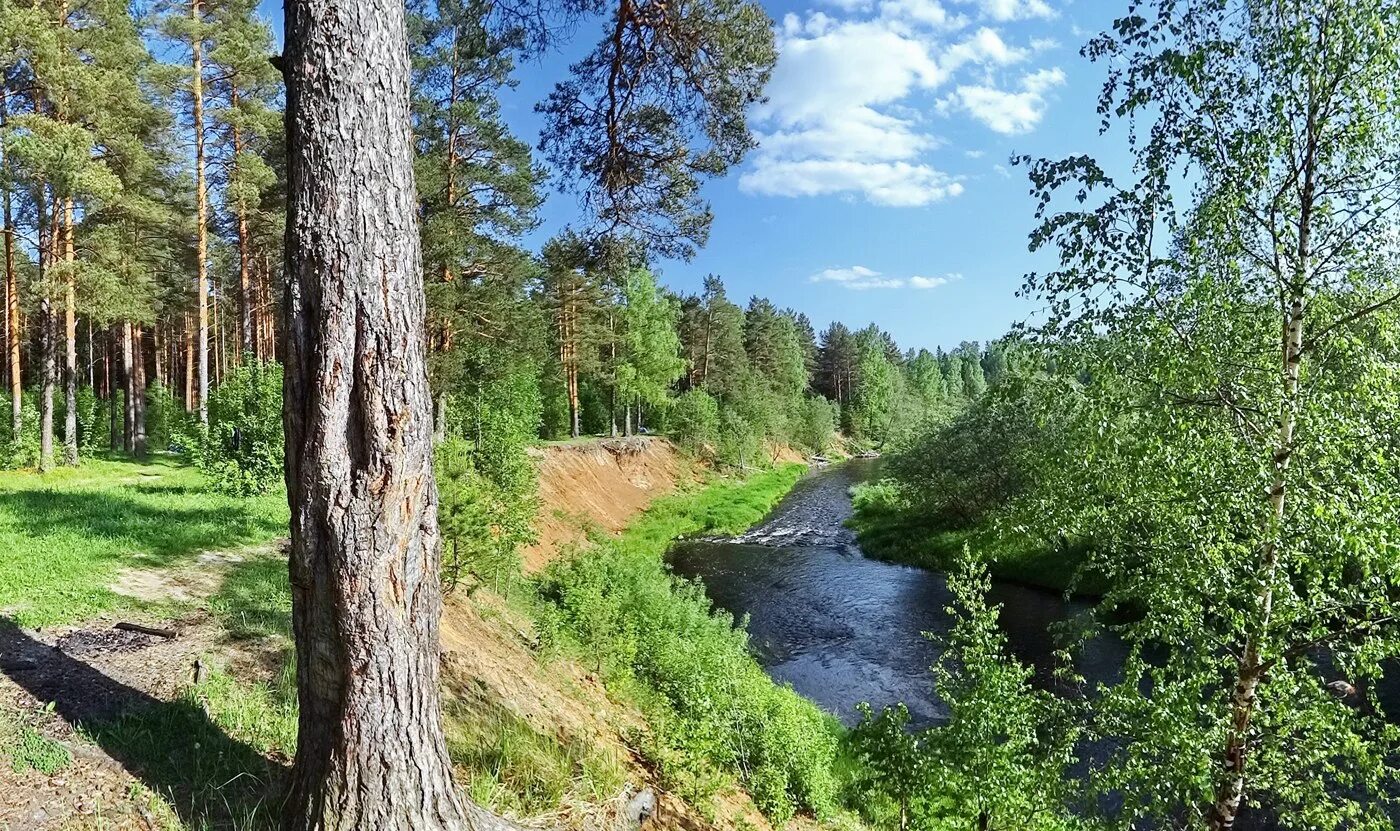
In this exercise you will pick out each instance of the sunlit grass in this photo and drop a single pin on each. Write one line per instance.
(68, 533)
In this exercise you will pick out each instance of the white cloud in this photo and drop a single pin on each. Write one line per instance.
(1007, 112)
(933, 282)
(1008, 10)
(860, 278)
(844, 275)
(923, 12)
(848, 104)
(896, 184)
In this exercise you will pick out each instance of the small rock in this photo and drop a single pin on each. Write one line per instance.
(641, 807)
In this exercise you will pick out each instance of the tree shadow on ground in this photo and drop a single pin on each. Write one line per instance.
(210, 779)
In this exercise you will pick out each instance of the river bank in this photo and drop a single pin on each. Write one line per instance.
(198, 730)
(843, 627)
(890, 531)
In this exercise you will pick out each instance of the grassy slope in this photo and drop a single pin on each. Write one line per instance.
(66, 535)
(211, 755)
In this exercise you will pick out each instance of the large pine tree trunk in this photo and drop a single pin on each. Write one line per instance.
(46, 374)
(114, 439)
(371, 754)
(189, 366)
(48, 235)
(70, 333)
(201, 210)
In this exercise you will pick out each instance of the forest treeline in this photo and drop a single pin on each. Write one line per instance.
(144, 187)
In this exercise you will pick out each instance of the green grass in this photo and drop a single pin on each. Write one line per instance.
(713, 715)
(887, 531)
(28, 749)
(510, 766)
(68, 533)
(212, 758)
(724, 506)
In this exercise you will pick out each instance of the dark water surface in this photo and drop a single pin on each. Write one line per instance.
(842, 628)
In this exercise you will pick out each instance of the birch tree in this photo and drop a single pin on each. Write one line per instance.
(1228, 307)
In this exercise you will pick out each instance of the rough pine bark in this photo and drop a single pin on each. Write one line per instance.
(371, 754)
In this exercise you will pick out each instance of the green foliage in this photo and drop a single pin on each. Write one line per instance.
(692, 421)
(899, 776)
(22, 451)
(166, 420)
(510, 766)
(711, 710)
(1223, 326)
(740, 443)
(651, 360)
(483, 524)
(638, 160)
(242, 448)
(1006, 751)
(28, 749)
(815, 424)
(1001, 760)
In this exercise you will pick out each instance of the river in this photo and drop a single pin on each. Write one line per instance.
(843, 628)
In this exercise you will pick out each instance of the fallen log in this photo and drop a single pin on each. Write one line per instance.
(146, 630)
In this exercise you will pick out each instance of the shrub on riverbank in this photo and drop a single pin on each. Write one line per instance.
(712, 713)
(890, 529)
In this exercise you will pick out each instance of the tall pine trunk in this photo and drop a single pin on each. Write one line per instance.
(46, 374)
(201, 208)
(366, 598)
(70, 333)
(129, 392)
(189, 366)
(48, 235)
(114, 439)
(12, 324)
(138, 393)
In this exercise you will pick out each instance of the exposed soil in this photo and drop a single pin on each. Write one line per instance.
(56, 679)
(599, 483)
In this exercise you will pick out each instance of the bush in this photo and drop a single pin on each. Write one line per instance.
(482, 526)
(739, 443)
(241, 449)
(692, 420)
(815, 424)
(167, 423)
(22, 450)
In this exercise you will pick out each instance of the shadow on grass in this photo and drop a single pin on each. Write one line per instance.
(163, 533)
(210, 779)
(255, 599)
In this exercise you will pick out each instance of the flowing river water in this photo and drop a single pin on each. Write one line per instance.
(842, 628)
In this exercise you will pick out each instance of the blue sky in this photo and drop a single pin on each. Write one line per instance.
(882, 191)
